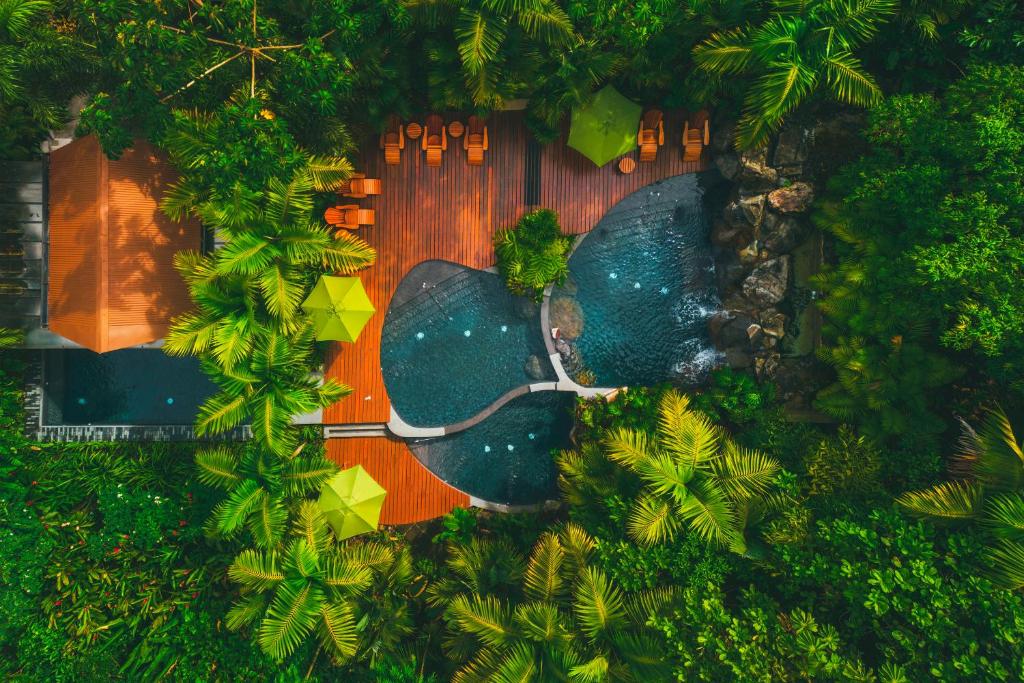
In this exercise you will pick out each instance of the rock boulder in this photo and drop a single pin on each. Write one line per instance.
(768, 282)
(795, 198)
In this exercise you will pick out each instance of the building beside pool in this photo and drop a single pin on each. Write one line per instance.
(88, 264)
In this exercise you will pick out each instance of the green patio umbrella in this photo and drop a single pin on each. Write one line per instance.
(351, 502)
(339, 308)
(605, 128)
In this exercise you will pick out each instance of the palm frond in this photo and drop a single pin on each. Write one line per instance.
(327, 173)
(291, 616)
(956, 500)
(598, 604)
(256, 570)
(629, 447)
(246, 611)
(709, 512)
(744, 473)
(482, 616)
(543, 577)
(1008, 559)
(479, 38)
(651, 521)
(218, 467)
(230, 514)
(310, 525)
(1005, 514)
(338, 631)
(724, 53)
(849, 82)
(267, 522)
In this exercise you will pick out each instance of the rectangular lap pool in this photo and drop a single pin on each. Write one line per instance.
(127, 387)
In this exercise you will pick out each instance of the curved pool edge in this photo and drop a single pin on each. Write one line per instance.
(399, 427)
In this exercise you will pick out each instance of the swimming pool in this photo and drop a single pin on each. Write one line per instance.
(641, 288)
(127, 387)
(454, 341)
(507, 457)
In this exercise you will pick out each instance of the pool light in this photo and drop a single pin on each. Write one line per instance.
(636, 285)
(663, 290)
(504, 328)
(466, 333)
(511, 448)
(170, 400)
(531, 436)
(613, 276)
(81, 401)
(487, 449)
(419, 335)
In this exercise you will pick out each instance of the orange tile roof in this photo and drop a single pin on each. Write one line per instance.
(112, 282)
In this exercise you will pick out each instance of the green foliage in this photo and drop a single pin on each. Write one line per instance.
(459, 526)
(567, 621)
(41, 66)
(533, 254)
(692, 476)
(754, 640)
(735, 396)
(925, 210)
(802, 48)
(906, 596)
(993, 492)
(162, 55)
(846, 465)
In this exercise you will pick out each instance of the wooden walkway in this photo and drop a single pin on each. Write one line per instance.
(451, 213)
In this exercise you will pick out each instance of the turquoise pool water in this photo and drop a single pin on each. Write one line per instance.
(454, 341)
(642, 287)
(127, 387)
(507, 457)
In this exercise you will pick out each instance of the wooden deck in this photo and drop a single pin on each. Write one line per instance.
(414, 493)
(452, 213)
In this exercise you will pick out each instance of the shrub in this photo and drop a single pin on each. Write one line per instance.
(533, 254)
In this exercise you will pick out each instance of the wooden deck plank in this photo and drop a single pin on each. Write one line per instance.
(414, 493)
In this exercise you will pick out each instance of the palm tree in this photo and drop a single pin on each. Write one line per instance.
(990, 490)
(315, 584)
(691, 474)
(803, 47)
(270, 385)
(570, 623)
(498, 43)
(259, 486)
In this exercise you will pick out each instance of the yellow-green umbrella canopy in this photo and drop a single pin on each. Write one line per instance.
(606, 127)
(351, 502)
(339, 308)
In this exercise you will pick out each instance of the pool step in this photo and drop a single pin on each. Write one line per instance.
(350, 431)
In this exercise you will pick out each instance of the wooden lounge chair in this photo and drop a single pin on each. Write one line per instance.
(651, 135)
(696, 135)
(475, 142)
(349, 216)
(392, 141)
(435, 139)
(360, 187)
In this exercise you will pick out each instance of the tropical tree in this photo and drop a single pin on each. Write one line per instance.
(496, 46)
(990, 490)
(315, 584)
(259, 488)
(691, 474)
(41, 67)
(803, 47)
(533, 254)
(568, 622)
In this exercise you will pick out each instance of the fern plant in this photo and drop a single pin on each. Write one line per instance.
(802, 48)
(567, 621)
(315, 586)
(533, 254)
(990, 491)
(259, 487)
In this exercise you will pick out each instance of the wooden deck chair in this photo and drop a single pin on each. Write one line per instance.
(651, 135)
(435, 139)
(696, 135)
(475, 142)
(360, 187)
(392, 141)
(349, 216)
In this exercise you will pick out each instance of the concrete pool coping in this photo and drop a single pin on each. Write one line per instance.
(563, 383)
